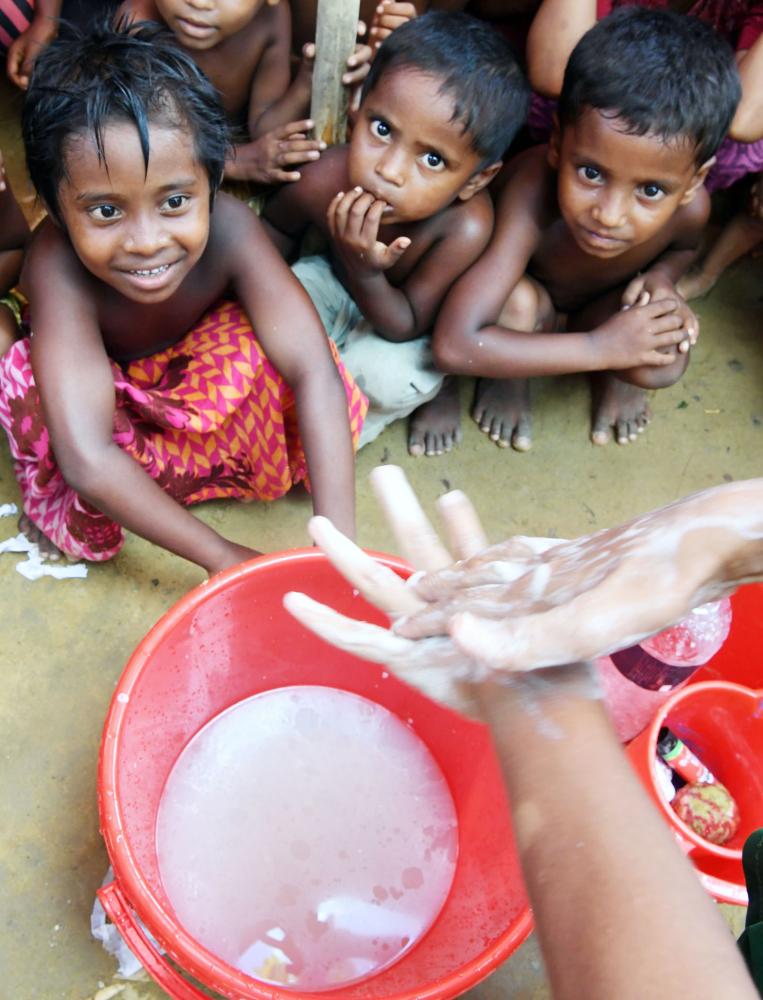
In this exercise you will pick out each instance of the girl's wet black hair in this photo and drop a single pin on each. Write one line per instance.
(82, 83)
(658, 72)
(478, 71)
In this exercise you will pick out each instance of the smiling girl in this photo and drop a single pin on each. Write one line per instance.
(117, 415)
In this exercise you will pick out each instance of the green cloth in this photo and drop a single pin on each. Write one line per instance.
(751, 941)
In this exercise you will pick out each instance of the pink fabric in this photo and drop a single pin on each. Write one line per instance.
(208, 418)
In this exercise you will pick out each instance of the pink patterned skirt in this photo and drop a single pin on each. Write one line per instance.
(208, 418)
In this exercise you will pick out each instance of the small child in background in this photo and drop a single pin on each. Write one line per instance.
(26, 28)
(14, 233)
(244, 49)
(594, 230)
(143, 388)
(403, 205)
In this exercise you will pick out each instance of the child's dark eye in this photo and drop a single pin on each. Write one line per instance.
(652, 191)
(434, 161)
(589, 173)
(176, 201)
(104, 213)
(380, 128)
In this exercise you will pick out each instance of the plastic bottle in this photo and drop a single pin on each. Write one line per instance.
(637, 680)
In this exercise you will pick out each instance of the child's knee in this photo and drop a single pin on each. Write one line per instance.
(652, 377)
(523, 307)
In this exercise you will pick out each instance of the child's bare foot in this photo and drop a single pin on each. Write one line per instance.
(695, 284)
(436, 426)
(502, 410)
(621, 406)
(47, 549)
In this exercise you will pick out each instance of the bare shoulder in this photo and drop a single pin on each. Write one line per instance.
(307, 199)
(272, 21)
(528, 183)
(138, 10)
(470, 222)
(50, 262)
(689, 220)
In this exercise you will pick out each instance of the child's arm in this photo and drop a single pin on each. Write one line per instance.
(14, 233)
(556, 29)
(24, 50)
(747, 125)
(76, 385)
(404, 312)
(277, 122)
(469, 341)
(294, 340)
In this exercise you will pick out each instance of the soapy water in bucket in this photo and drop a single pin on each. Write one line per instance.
(307, 837)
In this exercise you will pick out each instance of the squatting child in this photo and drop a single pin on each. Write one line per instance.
(403, 204)
(594, 229)
(244, 47)
(143, 387)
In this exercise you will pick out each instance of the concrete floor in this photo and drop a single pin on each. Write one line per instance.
(67, 641)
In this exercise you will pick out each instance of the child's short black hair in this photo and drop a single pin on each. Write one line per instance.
(477, 68)
(659, 72)
(83, 82)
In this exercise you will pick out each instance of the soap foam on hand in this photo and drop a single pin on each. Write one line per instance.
(307, 837)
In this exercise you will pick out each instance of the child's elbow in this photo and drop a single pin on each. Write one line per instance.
(450, 352)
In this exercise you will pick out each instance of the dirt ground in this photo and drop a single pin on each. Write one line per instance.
(67, 641)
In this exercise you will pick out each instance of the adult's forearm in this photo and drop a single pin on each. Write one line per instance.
(747, 125)
(556, 29)
(325, 431)
(618, 909)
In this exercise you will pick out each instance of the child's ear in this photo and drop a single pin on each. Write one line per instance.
(554, 142)
(697, 180)
(479, 180)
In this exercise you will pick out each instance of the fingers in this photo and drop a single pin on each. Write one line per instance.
(369, 642)
(16, 56)
(376, 582)
(415, 536)
(463, 529)
(632, 292)
(434, 666)
(358, 65)
(395, 251)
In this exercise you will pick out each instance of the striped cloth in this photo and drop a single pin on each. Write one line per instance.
(208, 418)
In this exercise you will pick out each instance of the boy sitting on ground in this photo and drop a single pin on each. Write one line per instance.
(403, 204)
(594, 230)
(244, 48)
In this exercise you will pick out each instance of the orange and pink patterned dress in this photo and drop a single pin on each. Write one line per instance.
(208, 418)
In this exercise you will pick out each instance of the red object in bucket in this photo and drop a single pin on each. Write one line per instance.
(722, 723)
(230, 639)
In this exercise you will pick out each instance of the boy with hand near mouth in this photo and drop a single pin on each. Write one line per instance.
(594, 230)
(243, 47)
(403, 205)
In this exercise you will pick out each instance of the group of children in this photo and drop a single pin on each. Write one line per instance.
(173, 356)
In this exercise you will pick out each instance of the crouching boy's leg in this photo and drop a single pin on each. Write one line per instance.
(397, 378)
(619, 399)
(502, 406)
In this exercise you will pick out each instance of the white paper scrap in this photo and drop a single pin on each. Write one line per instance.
(8, 509)
(35, 566)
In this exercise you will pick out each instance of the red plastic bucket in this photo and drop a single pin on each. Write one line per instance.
(723, 724)
(230, 639)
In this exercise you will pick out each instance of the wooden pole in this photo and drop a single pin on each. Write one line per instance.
(335, 34)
